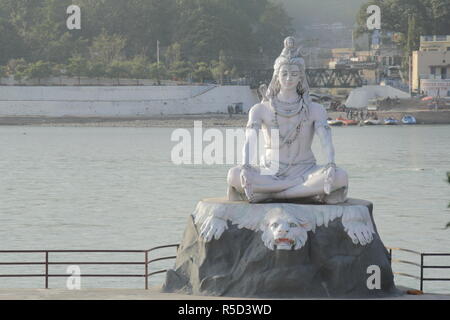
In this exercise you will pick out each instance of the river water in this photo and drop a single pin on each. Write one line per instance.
(116, 188)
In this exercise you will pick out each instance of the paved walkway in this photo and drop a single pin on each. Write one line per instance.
(138, 294)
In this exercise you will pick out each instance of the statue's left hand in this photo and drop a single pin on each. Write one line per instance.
(213, 228)
(330, 174)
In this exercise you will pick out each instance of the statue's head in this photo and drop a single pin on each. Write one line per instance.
(289, 42)
(284, 230)
(289, 71)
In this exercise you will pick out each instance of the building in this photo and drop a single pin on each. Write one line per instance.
(430, 66)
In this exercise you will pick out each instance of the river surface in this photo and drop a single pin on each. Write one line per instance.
(117, 188)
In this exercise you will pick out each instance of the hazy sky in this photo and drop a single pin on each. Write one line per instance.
(307, 12)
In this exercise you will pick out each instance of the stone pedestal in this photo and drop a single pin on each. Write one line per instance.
(281, 250)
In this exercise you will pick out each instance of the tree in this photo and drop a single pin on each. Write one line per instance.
(11, 43)
(39, 70)
(430, 17)
(96, 70)
(412, 42)
(201, 72)
(220, 68)
(2, 73)
(118, 69)
(440, 11)
(114, 30)
(158, 71)
(139, 68)
(107, 48)
(17, 68)
(173, 53)
(77, 67)
(180, 70)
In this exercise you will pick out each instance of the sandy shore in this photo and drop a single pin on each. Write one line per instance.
(187, 121)
(175, 121)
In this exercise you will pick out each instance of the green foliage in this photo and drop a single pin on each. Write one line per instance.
(139, 67)
(107, 48)
(201, 72)
(3, 72)
(17, 68)
(118, 69)
(96, 69)
(39, 70)
(180, 70)
(77, 67)
(158, 71)
(411, 18)
(173, 53)
(248, 32)
(307, 12)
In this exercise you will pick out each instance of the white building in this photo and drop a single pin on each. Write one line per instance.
(430, 67)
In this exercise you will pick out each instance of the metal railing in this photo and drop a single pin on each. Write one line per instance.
(422, 266)
(47, 262)
(146, 262)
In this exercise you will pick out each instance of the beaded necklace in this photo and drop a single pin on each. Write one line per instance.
(277, 107)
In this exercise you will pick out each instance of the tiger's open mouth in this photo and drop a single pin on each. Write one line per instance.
(284, 242)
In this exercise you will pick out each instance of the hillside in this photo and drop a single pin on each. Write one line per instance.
(306, 12)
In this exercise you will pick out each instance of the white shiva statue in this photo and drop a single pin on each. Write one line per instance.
(287, 109)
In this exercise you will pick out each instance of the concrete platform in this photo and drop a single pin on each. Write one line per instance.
(140, 294)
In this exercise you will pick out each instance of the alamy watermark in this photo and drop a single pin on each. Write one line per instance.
(218, 147)
(74, 280)
(374, 20)
(374, 280)
(73, 22)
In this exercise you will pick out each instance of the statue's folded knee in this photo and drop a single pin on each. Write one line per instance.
(233, 177)
(341, 178)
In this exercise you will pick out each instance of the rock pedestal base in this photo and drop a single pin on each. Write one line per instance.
(282, 250)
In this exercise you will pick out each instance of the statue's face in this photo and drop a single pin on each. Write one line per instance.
(289, 76)
(290, 43)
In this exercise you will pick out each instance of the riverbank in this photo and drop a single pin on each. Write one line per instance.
(187, 121)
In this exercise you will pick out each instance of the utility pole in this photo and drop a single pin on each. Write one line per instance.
(157, 51)
(410, 73)
(157, 59)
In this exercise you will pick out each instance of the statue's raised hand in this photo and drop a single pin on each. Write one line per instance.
(330, 175)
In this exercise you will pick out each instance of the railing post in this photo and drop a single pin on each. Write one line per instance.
(421, 272)
(46, 269)
(146, 270)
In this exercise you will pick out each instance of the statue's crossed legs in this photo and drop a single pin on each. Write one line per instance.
(259, 188)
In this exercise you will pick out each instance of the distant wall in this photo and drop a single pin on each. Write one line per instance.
(120, 101)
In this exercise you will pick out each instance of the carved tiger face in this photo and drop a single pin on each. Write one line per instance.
(283, 230)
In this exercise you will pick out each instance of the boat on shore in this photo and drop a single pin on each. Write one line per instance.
(348, 122)
(335, 123)
(408, 119)
(372, 122)
(391, 121)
